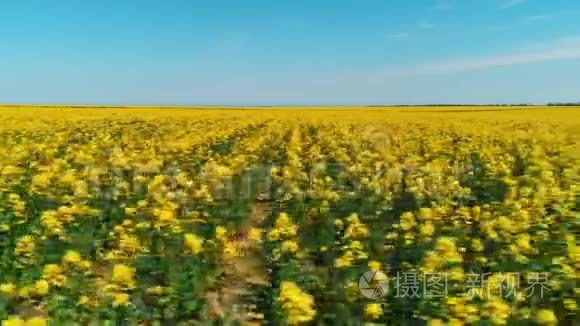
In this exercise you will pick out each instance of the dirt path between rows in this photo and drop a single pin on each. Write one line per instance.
(242, 274)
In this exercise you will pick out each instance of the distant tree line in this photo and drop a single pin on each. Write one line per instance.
(564, 104)
(472, 105)
(469, 105)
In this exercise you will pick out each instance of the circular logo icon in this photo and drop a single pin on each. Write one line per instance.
(373, 285)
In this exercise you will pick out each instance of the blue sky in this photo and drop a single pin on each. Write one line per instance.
(289, 52)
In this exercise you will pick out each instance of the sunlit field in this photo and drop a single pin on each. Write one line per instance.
(314, 216)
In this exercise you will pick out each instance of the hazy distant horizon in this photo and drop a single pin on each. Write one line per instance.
(573, 103)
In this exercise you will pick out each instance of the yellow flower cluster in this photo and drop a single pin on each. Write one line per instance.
(298, 305)
(34, 321)
(284, 233)
(355, 235)
(121, 283)
(193, 244)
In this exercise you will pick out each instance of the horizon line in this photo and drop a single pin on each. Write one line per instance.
(275, 105)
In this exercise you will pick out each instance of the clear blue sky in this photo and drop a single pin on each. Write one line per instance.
(289, 52)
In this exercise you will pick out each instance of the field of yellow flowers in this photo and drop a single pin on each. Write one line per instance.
(284, 216)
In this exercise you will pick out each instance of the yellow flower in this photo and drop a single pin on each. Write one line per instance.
(274, 235)
(25, 291)
(53, 273)
(25, 245)
(435, 322)
(425, 213)
(477, 245)
(85, 264)
(445, 247)
(289, 246)
(51, 270)
(432, 262)
(36, 321)
(121, 299)
(373, 310)
(41, 287)
(407, 221)
(285, 226)
(570, 304)
(505, 224)
(124, 275)
(427, 229)
(167, 215)
(255, 234)
(374, 265)
(355, 228)
(297, 304)
(129, 244)
(193, 243)
(498, 310)
(355, 245)
(523, 243)
(233, 249)
(220, 233)
(12, 170)
(8, 289)
(458, 307)
(17, 321)
(13, 321)
(546, 317)
(344, 261)
(158, 290)
(40, 180)
(455, 322)
(83, 300)
(456, 274)
(72, 257)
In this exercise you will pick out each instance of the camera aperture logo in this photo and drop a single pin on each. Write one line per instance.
(373, 285)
